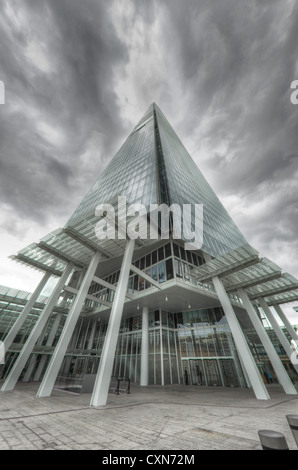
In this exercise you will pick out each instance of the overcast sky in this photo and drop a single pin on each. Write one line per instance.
(79, 75)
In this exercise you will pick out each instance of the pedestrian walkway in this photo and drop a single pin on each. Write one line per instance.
(174, 417)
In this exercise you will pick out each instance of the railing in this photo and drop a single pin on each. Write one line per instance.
(115, 385)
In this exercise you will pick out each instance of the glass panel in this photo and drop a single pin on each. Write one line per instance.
(148, 261)
(154, 273)
(161, 253)
(168, 250)
(197, 372)
(162, 272)
(176, 250)
(178, 268)
(141, 283)
(212, 372)
(229, 373)
(169, 269)
(182, 251)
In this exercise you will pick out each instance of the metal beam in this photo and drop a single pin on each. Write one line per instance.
(254, 282)
(51, 373)
(103, 283)
(282, 301)
(103, 377)
(226, 270)
(72, 290)
(145, 276)
(80, 238)
(36, 264)
(243, 349)
(271, 292)
(278, 367)
(53, 251)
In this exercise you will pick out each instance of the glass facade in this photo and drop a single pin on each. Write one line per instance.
(131, 173)
(153, 167)
(193, 347)
(198, 341)
(168, 262)
(187, 185)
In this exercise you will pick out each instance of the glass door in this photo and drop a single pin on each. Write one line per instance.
(229, 373)
(212, 372)
(197, 372)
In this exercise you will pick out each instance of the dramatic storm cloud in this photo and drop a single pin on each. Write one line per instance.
(79, 75)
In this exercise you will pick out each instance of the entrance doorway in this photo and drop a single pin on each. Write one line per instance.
(213, 372)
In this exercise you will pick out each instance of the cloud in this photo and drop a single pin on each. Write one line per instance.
(58, 74)
(78, 76)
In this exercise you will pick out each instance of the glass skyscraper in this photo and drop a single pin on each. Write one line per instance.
(149, 310)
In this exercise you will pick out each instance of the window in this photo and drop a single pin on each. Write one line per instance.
(176, 250)
(135, 283)
(154, 272)
(148, 260)
(178, 268)
(162, 272)
(188, 253)
(141, 283)
(168, 251)
(160, 254)
(148, 271)
(169, 269)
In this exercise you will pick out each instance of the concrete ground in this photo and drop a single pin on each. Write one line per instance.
(174, 417)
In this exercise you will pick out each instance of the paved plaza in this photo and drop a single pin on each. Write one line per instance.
(174, 417)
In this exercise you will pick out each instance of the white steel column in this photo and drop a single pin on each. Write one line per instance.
(53, 368)
(286, 322)
(144, 380)
(103, 377)
(48, 343)
(25, 312)
(33, 359)
(91, 338)
(241, 343)
(278, 331)
(280, 371)
(20, 363)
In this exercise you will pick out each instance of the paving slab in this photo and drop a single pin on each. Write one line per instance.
(174, 417)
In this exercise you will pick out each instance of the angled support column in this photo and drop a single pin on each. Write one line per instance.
(277, 365)
(33, 358)
(145, 348)
(48, 343)
(286, 322)
(27, 349)
(53, 368)
(278, 331)
(91, 338)
(241, 343)
(25, 312)
(103, 377)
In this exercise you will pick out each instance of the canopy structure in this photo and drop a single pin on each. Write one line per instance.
(260, 277)
(104, 280)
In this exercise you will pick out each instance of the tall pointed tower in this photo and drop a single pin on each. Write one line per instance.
(153, 167)
(147, 309)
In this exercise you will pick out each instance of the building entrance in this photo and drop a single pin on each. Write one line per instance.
(213, 372)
